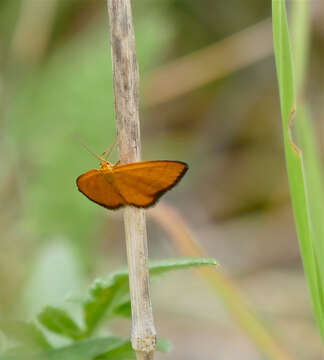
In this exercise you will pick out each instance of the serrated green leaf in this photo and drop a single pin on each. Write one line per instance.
(107, 294)
(83, 350)
(27, 334)
(58, 321)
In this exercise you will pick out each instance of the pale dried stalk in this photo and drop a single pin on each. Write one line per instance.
(126, 85)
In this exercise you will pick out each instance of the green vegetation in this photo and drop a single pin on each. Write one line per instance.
(107, 298)
(56, 85)
(303, 164)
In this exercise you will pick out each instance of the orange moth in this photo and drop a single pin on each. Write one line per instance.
(138, 184)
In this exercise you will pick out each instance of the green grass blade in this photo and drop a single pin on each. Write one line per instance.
(299, 174)
(300, 29)
(313, 169)
(313, 172)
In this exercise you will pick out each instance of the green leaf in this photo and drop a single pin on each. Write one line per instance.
(163, 266)
(106, 348)
(123, 352)
(303, 175)
(124, 309)
(102, 298)
(107, 294)
(83, 350)
(60, 322)
(126, 352)
(26, 334)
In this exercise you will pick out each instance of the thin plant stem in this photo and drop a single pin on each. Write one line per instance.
(126, 85)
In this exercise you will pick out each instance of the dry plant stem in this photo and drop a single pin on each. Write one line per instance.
(126, 84)
(184, 239)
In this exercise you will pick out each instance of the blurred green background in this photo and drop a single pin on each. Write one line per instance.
(207, 101)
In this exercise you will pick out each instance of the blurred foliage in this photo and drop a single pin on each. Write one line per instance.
(104, 297)
(228, 131)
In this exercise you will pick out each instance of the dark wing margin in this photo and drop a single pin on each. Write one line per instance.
(154, 195)
(159, 194)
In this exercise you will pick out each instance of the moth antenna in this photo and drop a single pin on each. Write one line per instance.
(109, 150)
(89, 150)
